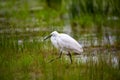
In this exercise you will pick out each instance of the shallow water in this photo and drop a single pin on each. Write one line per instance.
(86, 40)
(110, 59)
(24, 54)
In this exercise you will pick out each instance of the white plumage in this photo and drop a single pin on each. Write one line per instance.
(64, 42)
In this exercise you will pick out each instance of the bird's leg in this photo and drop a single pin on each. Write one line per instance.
(70, 56)
(56, 57)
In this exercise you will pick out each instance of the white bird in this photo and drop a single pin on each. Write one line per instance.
(64, 43)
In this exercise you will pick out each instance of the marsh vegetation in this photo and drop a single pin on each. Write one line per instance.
(93, 23)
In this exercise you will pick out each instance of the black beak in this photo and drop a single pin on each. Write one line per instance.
(47, 37)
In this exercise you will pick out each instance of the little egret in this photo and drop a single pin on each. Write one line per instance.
(64, 43)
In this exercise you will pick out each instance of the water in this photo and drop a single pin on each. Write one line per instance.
(110, 59)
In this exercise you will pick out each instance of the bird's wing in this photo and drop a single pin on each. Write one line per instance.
(68, 43)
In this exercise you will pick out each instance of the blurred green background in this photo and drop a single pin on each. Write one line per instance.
(93, 23)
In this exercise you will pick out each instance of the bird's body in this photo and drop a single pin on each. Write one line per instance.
(65, 43)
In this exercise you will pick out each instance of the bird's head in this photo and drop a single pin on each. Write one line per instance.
(54, 33)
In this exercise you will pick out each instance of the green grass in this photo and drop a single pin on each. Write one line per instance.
(29, 60)
(28, 65)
